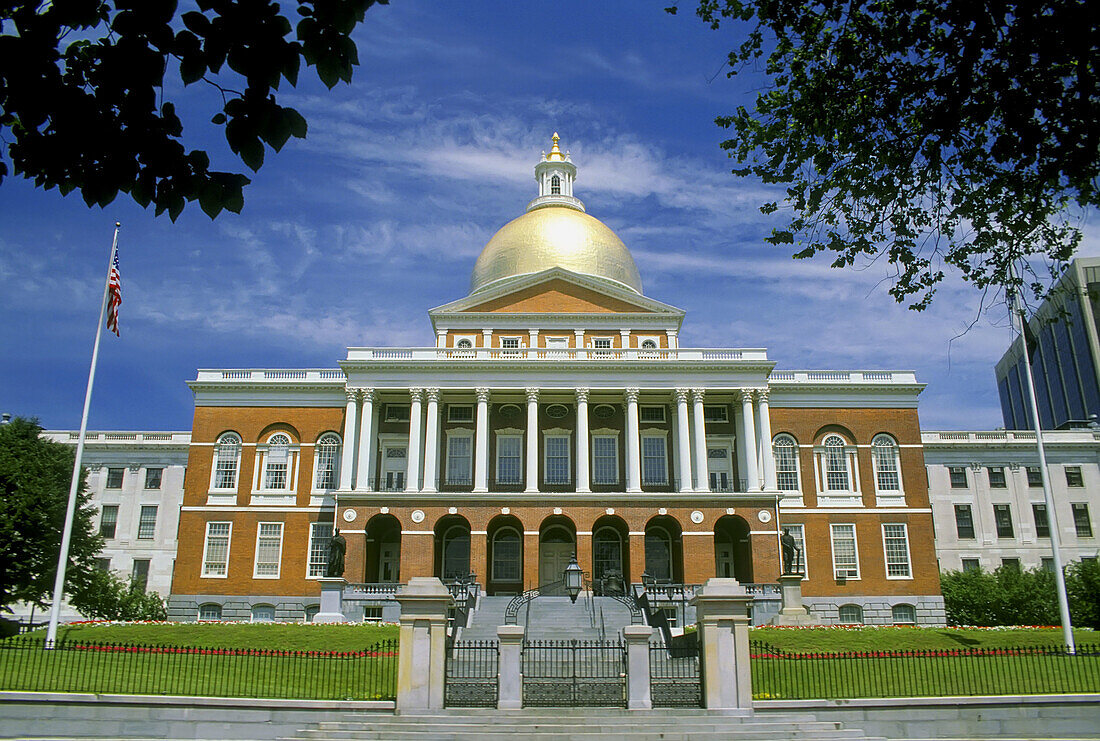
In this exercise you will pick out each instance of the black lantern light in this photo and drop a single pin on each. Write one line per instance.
(573, 577)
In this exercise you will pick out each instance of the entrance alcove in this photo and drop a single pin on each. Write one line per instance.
(382, 555)
(557, 546)
(664, 550)
(733, 549)
(452, 548)
(505, 562)
(610, 551)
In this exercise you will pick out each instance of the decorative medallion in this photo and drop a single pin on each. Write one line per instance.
(696, 517)
(610, 510)
(509, 411)
(417, 515)
(764, 516)
(662, 511)
(384, 510)
(505, 510)
(603, 411)
(557, 411)
(557, 510)
(452, 510)
(350, 515)
(730, 510)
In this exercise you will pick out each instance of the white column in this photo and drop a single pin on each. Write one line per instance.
(412, 470)
(532, 440)
(683, 439)
(431, 441)
(748, 434)
(347, 453)
(578, 335)
(764, 439)
(624, 339)
(633, 443)
(486, 338)
(364, 479)
(441, 338)
(481, 442)
(532, 341)
(702, 483)
(673, 339)
(583, 484)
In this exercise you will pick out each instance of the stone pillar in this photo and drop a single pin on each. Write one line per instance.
(722, 612)
(431, 441)
(764, 439)
(748, 435)
(673, 339)
(633, 443)
(441, 338)
(583, 480)
(792, 612)
(422, 644)
(637, 667)
(332, 600)
(532, 343)
(412, 469)
(578, 341)
(481, 442)
(532, 441)
(347, 453)
(702, 482)
(364, 477)
(683, 440)
(509, 677)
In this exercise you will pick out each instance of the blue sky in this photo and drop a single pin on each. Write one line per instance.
(350, 236)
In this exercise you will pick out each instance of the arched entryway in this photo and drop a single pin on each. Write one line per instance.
(664, 552)
(733, 549)
(383, 549)
(610, 555)
(505, 540)
(452, 548)
(557, 546)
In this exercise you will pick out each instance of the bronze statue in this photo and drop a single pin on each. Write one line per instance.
(790, 552)
(337, 547)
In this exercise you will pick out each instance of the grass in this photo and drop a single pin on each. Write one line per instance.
(890, 638)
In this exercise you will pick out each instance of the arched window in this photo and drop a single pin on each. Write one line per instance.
(464, 344)
(786, 463)
(311, 612)
(263, 614)
(327, 461)
(506, 555)
(607, 553)
(887, 473)
(649, 345)
(456, 552)
(210, 611)
(904, 615)
(837, 476)
(658, 553)
(555, 186)
(227, 457)
(850, 615)
(276, 461)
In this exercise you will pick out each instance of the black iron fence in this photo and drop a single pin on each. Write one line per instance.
(785, 675)
(674, 676)
(574, 673)
(472, 674)
(114, 668)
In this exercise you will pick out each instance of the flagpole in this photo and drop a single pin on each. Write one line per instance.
(1017, 309)
(74, 486)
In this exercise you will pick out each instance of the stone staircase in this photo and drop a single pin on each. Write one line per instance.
(596, 724)
(553, 618)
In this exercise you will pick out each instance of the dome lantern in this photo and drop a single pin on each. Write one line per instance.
(555, 173)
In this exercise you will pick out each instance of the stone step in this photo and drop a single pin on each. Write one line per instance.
(642, 733)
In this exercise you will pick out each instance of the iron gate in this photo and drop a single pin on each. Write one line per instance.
(472, 675)
(674, 676)
(574, 673)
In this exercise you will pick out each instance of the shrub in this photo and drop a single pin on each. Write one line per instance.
(1083, 588)
(1007, 596)
(110, 598)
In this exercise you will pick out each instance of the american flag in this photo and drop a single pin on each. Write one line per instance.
(114, 298)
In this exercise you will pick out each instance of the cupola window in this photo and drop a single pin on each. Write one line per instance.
(555, 186)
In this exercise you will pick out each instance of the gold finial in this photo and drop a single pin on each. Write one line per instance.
(555, 153)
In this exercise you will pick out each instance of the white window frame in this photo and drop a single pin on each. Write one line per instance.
(710, 416)
(252, 613)
(507, 351)
(314, 528)
(886, 551)
(205, 573)
(452, 418)
(279, 557)
(604, 434)
(661, 435)
(887, 497)
(493, 561)
(397, 408)
(855, 549)
(557, 433)
(453, 434)
(218, 446)
(650, 407)
(727, 444)
(202, 619)
(160, 478)
(798, 532)
(260, 490)
(141, 512)
(862, 614)
(793, 495)
(826, 497)
(509, 436)
(335, 462)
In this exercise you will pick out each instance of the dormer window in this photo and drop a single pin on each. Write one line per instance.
(464, 344)
(555, 186)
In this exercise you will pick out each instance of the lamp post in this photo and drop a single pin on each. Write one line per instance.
(573, 577)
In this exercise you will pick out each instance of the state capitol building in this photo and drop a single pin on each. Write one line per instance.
(557, 414)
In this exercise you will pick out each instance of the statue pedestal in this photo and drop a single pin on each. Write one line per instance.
(332, 600)
(793, 611)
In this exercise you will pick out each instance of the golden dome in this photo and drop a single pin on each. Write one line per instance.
(555, 236)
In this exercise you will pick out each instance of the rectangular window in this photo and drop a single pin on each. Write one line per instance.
(103, 564)
(397, 412)
(786, 465)
(1042, 524)
(605, 459)
(1074, 477)
(108, 520)
(1047, 564)
(971, 564)
(651, 414)
(507, 557)
(460, 413)
(215, 551)
(509, 459)
(509, 343)
(459, 466)
(958, 476)
(153, 477)
(886, 468)
(114, 478)
(601, 343)
(654, 460)
(996, 477)
(556, 464)
(1002, 515)
(845, 560)
(715, 413)
(147, 522)
(895, 540)
(798, 532)
(1034, 476)
(225, 470)
(320, 533)
(139, 577)
(1010, 563)
(1081, 520)
(964, 521)
(269, 549)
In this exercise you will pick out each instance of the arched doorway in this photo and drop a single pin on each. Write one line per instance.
(610, 555)
(664, 553)
(733, 549)
(383, 551)
(505, 536)
(557, 546)
(452, 548)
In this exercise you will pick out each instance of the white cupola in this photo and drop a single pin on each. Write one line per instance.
(555, 173)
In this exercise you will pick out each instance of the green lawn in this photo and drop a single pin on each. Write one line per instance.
(889, 638)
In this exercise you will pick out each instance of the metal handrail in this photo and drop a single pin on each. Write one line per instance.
(511, 612)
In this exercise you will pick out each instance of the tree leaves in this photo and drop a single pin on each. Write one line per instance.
(91, 115)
